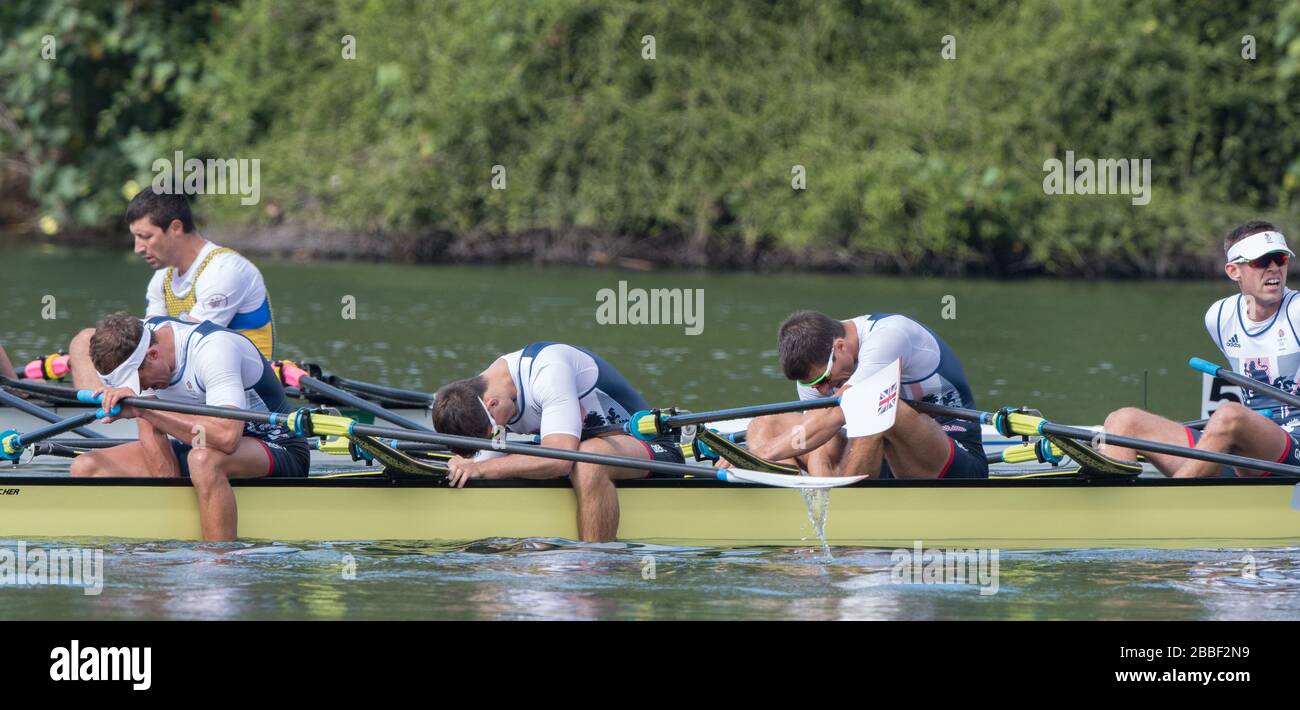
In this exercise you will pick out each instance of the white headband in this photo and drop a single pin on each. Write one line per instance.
(1257, 245)
(128, 373)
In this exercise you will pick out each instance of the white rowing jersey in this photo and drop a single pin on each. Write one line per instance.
(219, 367)
(930, 369)
(221, 286)
(567, 390)
(1268, 351)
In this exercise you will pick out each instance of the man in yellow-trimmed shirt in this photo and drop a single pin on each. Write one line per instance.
(194, 280)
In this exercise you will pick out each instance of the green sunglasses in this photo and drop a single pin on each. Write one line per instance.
(829, 361)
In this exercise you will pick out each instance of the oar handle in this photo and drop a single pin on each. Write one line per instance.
(1245, 382)
(1205, 366)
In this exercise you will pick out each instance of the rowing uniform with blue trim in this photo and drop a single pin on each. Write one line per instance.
(931, 372)
(219, 367)
(220, 286)
(564, 389)
(1268, 351)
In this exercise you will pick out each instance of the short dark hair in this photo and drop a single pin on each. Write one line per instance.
(161, 208)
(115, 338)
(805, 341)
(457, 410)
(1240, 232)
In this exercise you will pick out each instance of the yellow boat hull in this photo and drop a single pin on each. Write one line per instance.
(1001, 514)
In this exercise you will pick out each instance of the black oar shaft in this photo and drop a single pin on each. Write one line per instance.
(1249, 383)
(758, 410)
(428, 437)
(469, 442)
(41, 413)
(350, 400)
(51, 391)
(412, 397)
(1126, 442)
(53, 430)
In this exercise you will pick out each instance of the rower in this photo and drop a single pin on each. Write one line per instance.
(6, 367)
(192, 363)
(826, 356)
(570, 397)
(194, 279)
(1256, 331)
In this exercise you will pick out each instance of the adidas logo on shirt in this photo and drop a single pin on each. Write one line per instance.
(1232, 342)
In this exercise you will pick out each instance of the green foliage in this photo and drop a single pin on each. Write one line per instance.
(84, 88)
(926, 163)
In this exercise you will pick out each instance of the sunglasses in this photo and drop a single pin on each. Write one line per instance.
(829, 361)
(1278, 257)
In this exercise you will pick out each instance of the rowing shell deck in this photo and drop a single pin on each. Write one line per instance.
(1009, 514)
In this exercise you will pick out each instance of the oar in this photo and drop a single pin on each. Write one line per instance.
(1241, 380)
(298, 377)
(55, 392)
(657, 421)
(1041, 451)
(305, 422)
(1012, 423)
(410, 396)
(869, 408)
(12, 443)
(23, 405)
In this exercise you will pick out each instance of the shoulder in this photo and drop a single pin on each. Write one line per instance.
(233, 261)
(1292, 304)
(888, 329)
(220, 341)
(1219, 308)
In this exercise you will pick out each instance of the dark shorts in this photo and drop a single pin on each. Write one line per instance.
(1290, 455)
(287, 458)
(667, 452)
(965, 453)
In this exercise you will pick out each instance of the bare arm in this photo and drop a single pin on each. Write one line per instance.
(158, 452)
(217, 433)
(534, 467)
(6, 367)
(814, 430)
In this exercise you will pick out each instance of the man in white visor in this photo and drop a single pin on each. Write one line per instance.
(192, 363)
(1257, 331)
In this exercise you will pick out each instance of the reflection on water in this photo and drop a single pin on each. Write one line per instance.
(555, 579)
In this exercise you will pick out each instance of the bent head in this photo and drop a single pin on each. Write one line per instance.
(1257, 260)
(126, 354)
(466, 408)
(161, 223)
(813, 352)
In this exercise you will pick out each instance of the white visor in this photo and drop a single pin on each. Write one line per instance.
(128, 373)
(1257, 245)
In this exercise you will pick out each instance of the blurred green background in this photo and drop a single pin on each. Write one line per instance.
(915, 163)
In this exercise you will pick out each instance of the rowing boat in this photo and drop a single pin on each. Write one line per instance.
(1052, 512)
(1009, 514)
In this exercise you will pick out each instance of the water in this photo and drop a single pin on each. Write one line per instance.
(552, 579)
(1074, 349)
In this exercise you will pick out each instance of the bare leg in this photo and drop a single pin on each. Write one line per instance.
(822, 461)
(84, 376)
(1139, 424)
(593, 484)
(211, 472)
(1235, 429)
(916, 446)
(124, 461)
